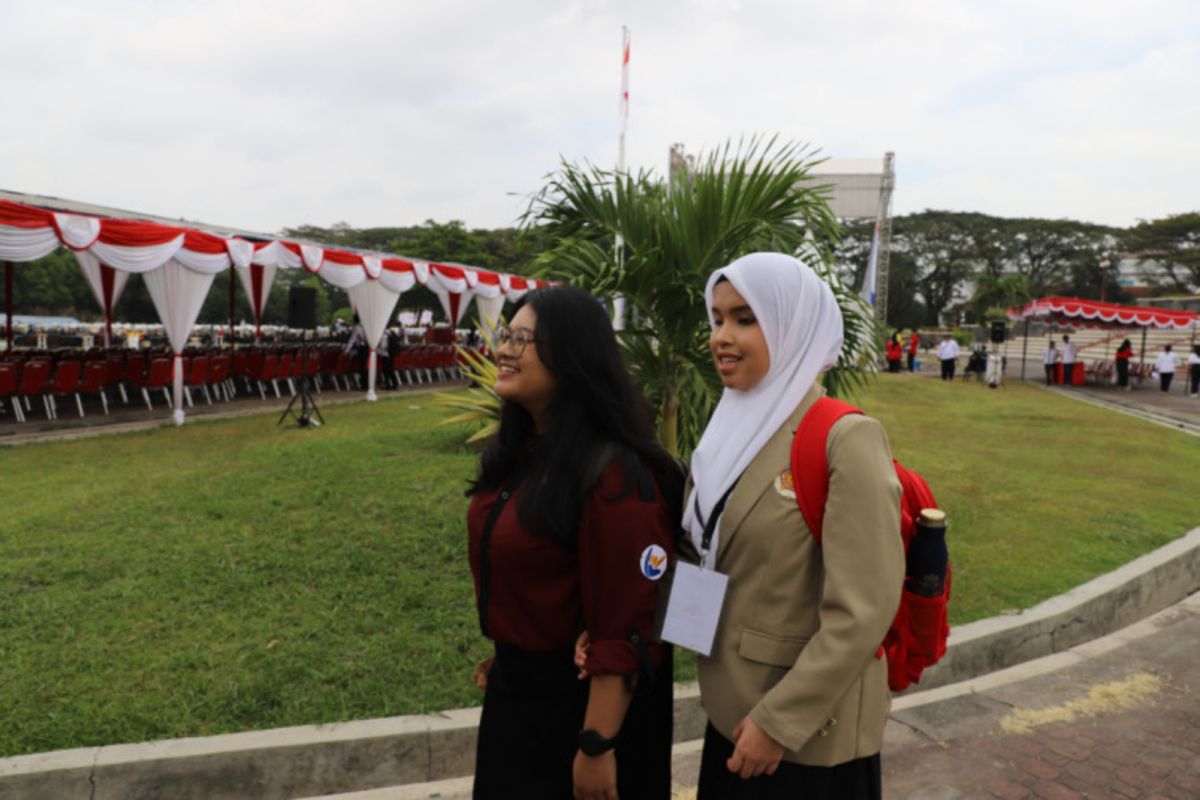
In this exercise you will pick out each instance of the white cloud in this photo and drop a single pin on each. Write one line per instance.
(267, 114)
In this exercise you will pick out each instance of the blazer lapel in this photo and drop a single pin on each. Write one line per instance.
(760, 475)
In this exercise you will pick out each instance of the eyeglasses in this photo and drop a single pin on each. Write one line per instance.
(518, 339)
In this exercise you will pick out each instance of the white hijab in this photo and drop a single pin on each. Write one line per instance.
(802, 324)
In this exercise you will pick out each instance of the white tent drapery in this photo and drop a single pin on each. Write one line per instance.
(178, 265)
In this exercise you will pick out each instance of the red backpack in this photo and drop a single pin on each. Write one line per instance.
(917, 636)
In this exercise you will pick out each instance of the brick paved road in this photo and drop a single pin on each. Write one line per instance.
(1124, 724)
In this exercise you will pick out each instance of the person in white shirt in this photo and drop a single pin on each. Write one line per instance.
(1051, 362)
(1194, 370)
(1069, 354)
(1165, 366)
(948, 353)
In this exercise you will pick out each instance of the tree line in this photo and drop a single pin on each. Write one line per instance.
(971, 266)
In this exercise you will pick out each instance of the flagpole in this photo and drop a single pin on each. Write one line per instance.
(619, 242)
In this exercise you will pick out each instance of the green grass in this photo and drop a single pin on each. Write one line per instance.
(1042, 493)
(235, 575)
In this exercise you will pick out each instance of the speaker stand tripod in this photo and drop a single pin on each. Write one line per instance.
(307, 406)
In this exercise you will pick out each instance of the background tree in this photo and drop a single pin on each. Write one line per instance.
(941, 245)
(746, 196)
(1046, 251)
(1174, 245)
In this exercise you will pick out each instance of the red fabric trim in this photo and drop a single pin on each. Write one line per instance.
(17, 215)
(517, 282)
(488, 278)
(1092, 313)
(256, 286)
(454, 273)
(107, 276)
(454, 301)
(397, 265)
(343, 258)
(201, 242)
(128, 233)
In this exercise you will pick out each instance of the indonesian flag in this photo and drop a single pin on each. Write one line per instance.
(868, 287)
(624, 79)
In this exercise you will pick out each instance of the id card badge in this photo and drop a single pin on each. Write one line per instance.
(694, 607)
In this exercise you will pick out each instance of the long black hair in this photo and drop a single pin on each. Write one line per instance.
(596, 410)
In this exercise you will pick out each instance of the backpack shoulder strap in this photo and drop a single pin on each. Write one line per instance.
(810, 461)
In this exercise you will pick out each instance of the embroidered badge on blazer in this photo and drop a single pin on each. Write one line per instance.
(784, 485)
(653, 562)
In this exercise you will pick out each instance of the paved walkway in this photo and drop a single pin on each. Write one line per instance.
(1121, 722)
(1117, 718)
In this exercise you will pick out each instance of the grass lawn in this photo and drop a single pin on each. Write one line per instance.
(234, 575)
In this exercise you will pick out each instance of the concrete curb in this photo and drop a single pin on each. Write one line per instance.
(308, 761)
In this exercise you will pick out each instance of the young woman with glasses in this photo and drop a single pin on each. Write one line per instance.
(572, 519)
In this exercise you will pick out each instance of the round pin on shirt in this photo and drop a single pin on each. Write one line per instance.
(653, 562)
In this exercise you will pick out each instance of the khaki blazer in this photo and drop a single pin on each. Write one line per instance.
(796, 642)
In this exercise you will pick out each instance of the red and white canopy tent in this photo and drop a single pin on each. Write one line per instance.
(1075, 313)
(178, 264)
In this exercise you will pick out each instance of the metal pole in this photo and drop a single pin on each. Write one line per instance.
(883, 264)
(1142, 368)
(8, 303)
(232, 303)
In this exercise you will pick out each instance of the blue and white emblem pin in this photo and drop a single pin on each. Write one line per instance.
(653, 562)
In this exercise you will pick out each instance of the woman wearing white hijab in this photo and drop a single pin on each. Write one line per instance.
(795, 693)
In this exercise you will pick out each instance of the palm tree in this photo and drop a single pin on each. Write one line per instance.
(753, 195)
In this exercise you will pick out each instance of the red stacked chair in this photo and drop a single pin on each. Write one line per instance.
(220, 366)
(115, 372)
(312, 366)
(34, 375)
(158, 376)
(66, 381)
(266, 372)
(241, 359)
(299, 362)
(406, 363)
(342, 368)
(95, 377)
(195, 373)
(283, 371)
(135, 368)
(252, 368)
(10, 378)
(329, 362)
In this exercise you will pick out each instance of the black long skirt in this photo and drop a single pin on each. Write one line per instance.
(859, 779)
(533, 710)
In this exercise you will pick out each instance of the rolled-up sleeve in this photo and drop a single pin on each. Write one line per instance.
(624, 549)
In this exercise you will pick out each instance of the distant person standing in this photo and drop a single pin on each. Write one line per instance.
(914, 341)
(1165, 366)
(1194, 371)
(948, 353)
(895, 351)
(1070, 354)
(356, 348)
(1124, 353)
(1051, 362)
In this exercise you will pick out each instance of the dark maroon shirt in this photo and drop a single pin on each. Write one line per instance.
(542, 594)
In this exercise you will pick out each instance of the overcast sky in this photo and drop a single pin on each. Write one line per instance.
(261, 114)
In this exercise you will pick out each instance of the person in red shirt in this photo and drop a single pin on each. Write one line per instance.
(572, 521)
(895, 351)
(914, 341)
